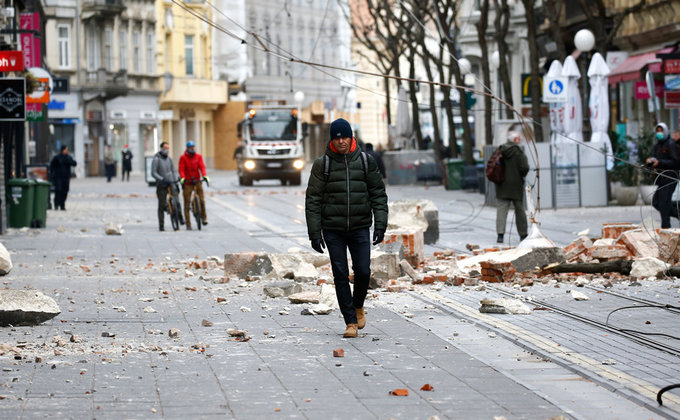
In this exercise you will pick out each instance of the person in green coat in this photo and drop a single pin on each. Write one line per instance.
(511, 190)
(345, 195)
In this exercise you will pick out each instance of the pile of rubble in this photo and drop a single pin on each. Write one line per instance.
(623, 251)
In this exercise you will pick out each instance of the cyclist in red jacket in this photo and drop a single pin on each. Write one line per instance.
(192, 172)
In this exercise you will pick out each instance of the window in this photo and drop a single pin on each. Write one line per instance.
(137, 51)
(108, 49)
(189, 54)
(64, 46)
(122, 40)
(93, 48)
(150, 56)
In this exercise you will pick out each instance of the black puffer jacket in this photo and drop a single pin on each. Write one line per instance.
(349, 199)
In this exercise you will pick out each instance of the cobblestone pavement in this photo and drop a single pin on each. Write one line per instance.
(109, 353)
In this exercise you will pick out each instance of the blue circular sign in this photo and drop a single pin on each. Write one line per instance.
(556, 87)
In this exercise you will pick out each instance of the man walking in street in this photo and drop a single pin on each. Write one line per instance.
(163, 171)
(109, 163)
(665, 162)
(192, 172)
(511, 190)
(127, 162)
(344, 196)
(60, 171)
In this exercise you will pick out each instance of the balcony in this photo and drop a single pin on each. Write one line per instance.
(105, 85)
(187, 90)
(99, 9)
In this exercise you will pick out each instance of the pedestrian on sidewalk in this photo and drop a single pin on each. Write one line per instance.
(378, 159)
(344, 196)
(60, 172)
(191, 173)
(127, 162)
(511, 190)
(665, 163)
(109, 163)
(163, 171)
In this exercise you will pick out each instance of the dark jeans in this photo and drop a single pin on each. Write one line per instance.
(126, 172)
(359, 244)
(162, 195)
(662, 202)
(60, 199)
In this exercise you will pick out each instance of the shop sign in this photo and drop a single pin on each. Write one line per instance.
(30, 44)
(11, 61)
(641, 91)
(671, 66)
(35, 113)
(526, 87)
(672, 99)
(41, 93)
(61, 85)
(672, 82)
(12, 99)
(118, 115)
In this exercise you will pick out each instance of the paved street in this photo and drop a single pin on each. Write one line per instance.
(109, 353)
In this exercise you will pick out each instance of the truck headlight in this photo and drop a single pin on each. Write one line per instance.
(298, 164)
(249, 165)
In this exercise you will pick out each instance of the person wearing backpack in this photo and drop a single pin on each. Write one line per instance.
(511, 189)
(345, 195)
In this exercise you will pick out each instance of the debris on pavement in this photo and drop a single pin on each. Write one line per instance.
(112, 228)
(338, 353)
(26, 307)
(576, 295)
(503, 306)
(399, 392)
(5, 261)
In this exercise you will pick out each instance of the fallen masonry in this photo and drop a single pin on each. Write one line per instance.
(26, 307)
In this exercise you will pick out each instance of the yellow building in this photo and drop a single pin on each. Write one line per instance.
(189, 96)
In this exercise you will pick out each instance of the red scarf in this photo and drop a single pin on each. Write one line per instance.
(352, 147)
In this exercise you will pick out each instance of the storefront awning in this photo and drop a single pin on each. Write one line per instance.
(630, 68)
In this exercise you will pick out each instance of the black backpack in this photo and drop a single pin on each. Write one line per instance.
(494, 167)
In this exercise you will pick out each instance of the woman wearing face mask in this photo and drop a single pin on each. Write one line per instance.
(665, 162)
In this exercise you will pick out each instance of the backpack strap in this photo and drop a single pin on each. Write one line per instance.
(364, 164)
(326, 167)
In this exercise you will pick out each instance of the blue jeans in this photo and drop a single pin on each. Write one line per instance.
(359, 244)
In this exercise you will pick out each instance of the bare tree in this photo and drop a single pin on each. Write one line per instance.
(529, 6)
(482, 26)
(605, 25)
(502, 24)
(553, 11)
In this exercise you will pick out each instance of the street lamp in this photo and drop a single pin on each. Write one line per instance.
(584, 40)
(465, 66)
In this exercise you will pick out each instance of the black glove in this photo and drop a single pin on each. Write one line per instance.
(378, 236)
(318, 245)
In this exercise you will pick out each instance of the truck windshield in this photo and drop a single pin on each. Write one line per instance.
(270, 125)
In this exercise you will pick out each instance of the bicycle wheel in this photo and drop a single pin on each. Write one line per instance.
(196, 210)
(174, 212)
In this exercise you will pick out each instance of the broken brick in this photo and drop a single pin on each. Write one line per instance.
(614, 230)
(640, 243)
(338, 353)
(427, 387)
(608, 252)
(400, 392)
(577, 247)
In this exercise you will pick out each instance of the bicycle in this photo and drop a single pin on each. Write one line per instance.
(173, 208)
(196, 205)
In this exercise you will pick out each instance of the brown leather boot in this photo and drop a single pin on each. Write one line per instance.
(361, 318)
(351, 331)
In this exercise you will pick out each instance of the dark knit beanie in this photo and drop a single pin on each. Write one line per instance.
(340, 128)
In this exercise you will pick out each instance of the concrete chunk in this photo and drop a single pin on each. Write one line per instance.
(647, 267)
(538, 257)
(504, 306)
(26, 307)
(641, 243)
(5, 261)
(384, 266)
(304, 297)
(419, 214)
(282, 289)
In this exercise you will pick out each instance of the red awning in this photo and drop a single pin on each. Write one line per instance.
(630, 68)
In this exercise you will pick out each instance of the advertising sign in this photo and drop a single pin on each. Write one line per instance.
(35, 112)
(672, 82)
(30, 44)
(672, 99)
(12, 99)
(555, 89)
(11, 61)
(671, 66)
(641, 91)
(526, 87)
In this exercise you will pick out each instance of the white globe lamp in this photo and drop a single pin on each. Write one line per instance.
(584, 40)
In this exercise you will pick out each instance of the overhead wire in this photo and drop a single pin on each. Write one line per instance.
(523, 120)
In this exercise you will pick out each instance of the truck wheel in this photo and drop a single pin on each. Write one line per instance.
(295, 179)
(245, 180)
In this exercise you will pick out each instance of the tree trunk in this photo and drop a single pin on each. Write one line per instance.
(437, 140)
(415, 118)
(535, 73)
(482, 25)
(502, 24)
(388, 105)
(614, 266)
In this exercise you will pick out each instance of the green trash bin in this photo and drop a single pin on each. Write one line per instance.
(454, 172)
(20, 195)
(41, 201)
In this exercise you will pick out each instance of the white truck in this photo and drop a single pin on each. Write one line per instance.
(271, 145)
